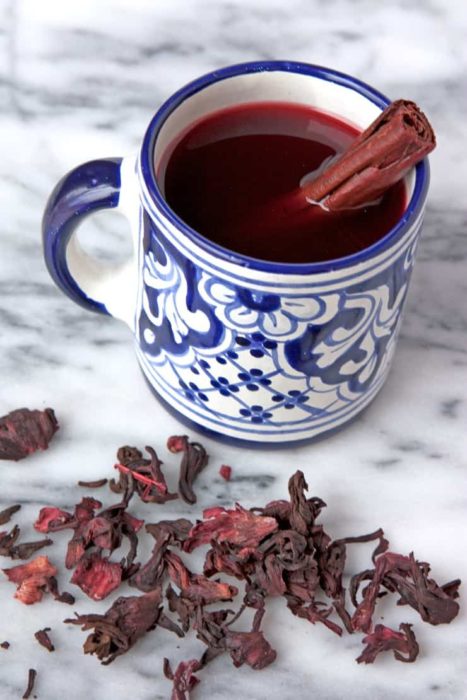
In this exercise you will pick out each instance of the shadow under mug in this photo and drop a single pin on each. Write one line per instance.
(249, 350)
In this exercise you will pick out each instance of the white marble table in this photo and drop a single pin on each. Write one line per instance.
(80, 80)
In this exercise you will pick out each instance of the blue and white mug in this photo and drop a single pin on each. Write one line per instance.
(265, 352)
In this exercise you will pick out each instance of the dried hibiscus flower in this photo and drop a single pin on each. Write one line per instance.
(403, 644)
(194, 460)
(33, 579)
(128, 619)
(408, 577)
(142, 475)
(23, 432)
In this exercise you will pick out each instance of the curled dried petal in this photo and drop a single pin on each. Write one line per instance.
(178, 529)
(183, 678)
(6, 514)
(385, 639)
(195, 587)
(32, 675)
(93, 484)
(389, 561)
(435, 605)
(43, 638)
(237, 527)
(194, 460)
(315, 611)
(51, 519)
(301, 516)
(84, 510)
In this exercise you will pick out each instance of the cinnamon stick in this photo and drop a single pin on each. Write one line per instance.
(398, 139)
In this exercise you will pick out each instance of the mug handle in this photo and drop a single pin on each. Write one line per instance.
(108, 183)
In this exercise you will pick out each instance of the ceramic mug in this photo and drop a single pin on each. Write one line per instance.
(251, 350)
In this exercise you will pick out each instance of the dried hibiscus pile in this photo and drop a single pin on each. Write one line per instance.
(280, 549)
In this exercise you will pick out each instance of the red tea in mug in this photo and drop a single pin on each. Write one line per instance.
(237, 161)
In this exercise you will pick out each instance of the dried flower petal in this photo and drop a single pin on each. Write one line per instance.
(385, 639)
(52, 519)
(194, 587)
(250, 648)
(183, 679)
(5, 515)
(178, 529)
(23, 432)
(435, 604)
(31, 578)
(63, 597)
(97, 576)
(194, 460)
(135, 523)
(24, 550)
(93, 484)
(389, 561)
(32, 675)
(238, 527)
(301, 515)
(44, 639)
(316, 611)
(8, 539)
(115, 632)
(150, 576)
(148, 478)
(75, 550)
(226, 472)
(84, 510)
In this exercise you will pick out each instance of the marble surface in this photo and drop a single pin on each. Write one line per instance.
(81, 80)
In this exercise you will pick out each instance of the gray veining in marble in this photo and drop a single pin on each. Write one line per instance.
(81, 80)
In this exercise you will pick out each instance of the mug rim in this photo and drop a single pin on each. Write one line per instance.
(409, 216)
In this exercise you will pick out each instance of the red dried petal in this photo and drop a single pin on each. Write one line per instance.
(183, 679)
(361, 619)
(31, 578)
(250, 648)
(196, 587)
(177, 443)
(99, 531)
(51, 519)
(135, 523)
(226, 472)
(385, 639)
(97, 576)
(84, 510)
(237, 527)
(23, 432)
(75, 551)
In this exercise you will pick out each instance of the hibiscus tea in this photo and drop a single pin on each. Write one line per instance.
(239, 161)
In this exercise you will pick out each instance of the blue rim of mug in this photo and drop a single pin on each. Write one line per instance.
(411, 213)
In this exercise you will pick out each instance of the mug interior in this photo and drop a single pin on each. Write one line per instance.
(269, 86)
(267, 81)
